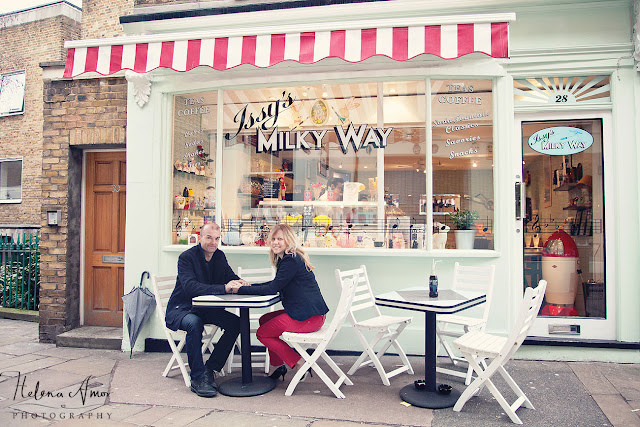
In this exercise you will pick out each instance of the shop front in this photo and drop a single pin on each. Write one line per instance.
(388, 141)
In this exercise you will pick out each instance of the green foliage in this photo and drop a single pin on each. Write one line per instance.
(463, 219)
(19, 274)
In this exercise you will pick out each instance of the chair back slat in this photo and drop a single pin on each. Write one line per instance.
(475, 278)
(527, 314)
(363, 298)
(162, 289)
(343, 308)
(257, 275)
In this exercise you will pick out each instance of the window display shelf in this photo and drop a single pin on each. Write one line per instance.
(569, 186)
(316, 203)
(577, 207)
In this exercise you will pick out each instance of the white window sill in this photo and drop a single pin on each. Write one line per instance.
(440, 253)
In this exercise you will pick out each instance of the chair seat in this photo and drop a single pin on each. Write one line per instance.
(480, 344)
(469, 322)
(308, 337)
(381, 322)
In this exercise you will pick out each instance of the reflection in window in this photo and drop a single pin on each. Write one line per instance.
(11, 180)
(462, 129)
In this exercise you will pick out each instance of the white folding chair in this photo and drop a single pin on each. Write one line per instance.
(162, 288)
(253, 275)
(319, 341)
(476, 278)
(478, 345)
(386, 328)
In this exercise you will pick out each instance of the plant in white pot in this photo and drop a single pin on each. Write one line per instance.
(465, 233)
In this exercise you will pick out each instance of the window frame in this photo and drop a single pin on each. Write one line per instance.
(12, 159)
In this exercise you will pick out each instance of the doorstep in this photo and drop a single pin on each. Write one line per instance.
(98, 337)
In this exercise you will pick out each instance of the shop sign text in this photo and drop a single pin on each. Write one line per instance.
(295, 140)
(560, 141)
(266, 119)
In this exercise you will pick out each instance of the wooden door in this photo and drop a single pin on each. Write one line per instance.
(104, 238)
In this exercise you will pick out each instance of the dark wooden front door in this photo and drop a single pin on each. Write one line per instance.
(105, 204)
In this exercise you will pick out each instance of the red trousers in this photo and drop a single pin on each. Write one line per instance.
(273, 324)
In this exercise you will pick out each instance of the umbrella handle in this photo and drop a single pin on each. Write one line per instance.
(142, 277)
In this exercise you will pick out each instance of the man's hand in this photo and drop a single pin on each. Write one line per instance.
(233, 286)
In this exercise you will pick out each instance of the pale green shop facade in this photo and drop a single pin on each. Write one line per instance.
(546, 39)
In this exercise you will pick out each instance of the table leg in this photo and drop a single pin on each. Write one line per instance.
(429, 396)
(246, 385)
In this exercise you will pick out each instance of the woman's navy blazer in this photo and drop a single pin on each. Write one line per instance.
(299, 291)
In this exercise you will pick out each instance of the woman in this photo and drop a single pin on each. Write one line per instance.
(304, 307)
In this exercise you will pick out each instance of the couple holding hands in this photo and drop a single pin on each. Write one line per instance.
(204, 270)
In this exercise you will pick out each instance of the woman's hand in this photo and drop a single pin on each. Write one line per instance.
(233, 286)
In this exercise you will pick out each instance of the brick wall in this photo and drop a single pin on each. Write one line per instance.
(78, 114)
(24, 47)
(100, 18)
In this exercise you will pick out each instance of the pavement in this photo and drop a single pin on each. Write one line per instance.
(41, 384)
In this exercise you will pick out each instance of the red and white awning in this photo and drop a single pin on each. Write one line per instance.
(352, 45)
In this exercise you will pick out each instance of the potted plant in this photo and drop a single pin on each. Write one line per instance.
(464, 221)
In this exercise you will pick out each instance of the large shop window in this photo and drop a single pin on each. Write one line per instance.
(344, 164)
(194, 164)
(11, 180)
(462, 162)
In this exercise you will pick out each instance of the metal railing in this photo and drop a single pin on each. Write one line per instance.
(20, 269)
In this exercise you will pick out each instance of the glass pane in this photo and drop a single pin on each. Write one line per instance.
(462, 128)
(10, 180)
(405, 165)
(305, 155)
(564, 233)
(194, 170)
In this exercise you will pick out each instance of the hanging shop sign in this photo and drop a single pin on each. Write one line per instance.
(560, 141)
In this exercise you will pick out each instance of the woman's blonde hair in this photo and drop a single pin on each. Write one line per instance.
(293, 246)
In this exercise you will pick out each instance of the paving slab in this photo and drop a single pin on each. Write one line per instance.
(150, 416)
(239, 419)
(617, 410)
(87, 366)
(118, 411)
(79, 353)
(34, 365)
(25, 347)
(181, 417)
(8, 361)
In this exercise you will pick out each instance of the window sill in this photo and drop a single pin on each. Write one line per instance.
(11, 201)
(441, 253)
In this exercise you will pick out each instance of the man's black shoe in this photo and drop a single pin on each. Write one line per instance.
(210, 378)
(202, 388)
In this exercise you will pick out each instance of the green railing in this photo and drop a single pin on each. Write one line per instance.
(20, 271)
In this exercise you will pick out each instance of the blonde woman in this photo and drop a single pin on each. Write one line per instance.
(304, 307)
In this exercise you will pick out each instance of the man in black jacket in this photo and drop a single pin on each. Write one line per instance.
(204, 270)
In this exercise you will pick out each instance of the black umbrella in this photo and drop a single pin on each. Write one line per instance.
(138, 307)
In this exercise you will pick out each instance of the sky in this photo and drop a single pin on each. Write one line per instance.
(7, 6)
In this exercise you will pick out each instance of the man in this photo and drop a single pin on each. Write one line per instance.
(204, 270)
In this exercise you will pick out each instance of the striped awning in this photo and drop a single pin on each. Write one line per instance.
(264, 50)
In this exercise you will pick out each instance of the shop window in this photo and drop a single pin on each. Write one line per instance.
(304, 155)
(405, 165)
(561, 90)
(11, 180)
(194, 164)
(462, 163)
